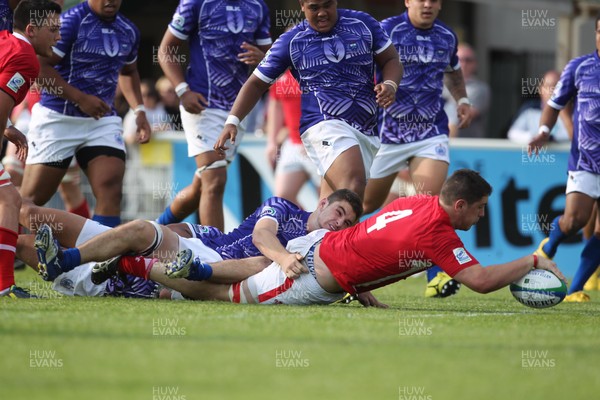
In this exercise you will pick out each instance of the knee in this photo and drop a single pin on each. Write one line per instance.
(215, 184)
(27, 213)
(137, 229)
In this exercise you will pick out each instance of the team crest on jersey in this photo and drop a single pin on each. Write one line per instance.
(16, 82)
(461, 255)
(178, 21)
(334, 49)
(110, 41)
(235, 20)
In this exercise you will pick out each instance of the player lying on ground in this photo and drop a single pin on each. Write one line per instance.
(406, 237)
(266, 231)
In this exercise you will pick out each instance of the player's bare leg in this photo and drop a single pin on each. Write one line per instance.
(428, 175)
(134, 237)
(288, 185)
(346, 172)
(40, 182)
(212, 190)
(105, 175)
(376, 192)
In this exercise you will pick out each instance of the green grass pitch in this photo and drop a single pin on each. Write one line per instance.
(468, 346)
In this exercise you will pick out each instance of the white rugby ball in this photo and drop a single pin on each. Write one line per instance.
(539, 289)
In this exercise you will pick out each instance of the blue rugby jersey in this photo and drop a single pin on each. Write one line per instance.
(335, 69)
(426, 54)
(580, 80)
(93, 52)
(291, 223)
(216, 29)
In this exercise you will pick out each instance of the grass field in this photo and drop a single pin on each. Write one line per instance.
(468, 346)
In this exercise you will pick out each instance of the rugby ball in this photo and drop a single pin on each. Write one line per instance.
(539, 289)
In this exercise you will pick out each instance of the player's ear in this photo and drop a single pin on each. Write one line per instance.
(29, 31)
(323, 203)
(460, 204)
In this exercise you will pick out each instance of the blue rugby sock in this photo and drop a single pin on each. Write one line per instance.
(432, 272)
(556, 237)
(590, 259)
(199, 271)
(167, 217)
(110, 221)
(70, 259)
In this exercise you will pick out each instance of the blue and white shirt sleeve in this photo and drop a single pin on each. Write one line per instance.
(454, 62)
(185, 19)
(276, 209)
(565, 89)
(136, 45)
(381, 40)
(276, 60)
(263, 35)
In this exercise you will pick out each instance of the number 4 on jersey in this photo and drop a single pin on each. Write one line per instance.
(390, 216)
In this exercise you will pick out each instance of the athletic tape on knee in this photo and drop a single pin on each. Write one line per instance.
(158, 238)
(213, 165)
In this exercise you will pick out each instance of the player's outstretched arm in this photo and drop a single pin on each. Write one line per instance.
(494, 277)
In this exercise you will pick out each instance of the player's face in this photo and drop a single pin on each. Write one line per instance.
(422, 13)
(470, 213)
(337, 215)
(105, 9)
(46, 35)
(320, 14)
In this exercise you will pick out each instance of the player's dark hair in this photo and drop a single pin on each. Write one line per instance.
(33, 12)
(465, 184)
(349, 196)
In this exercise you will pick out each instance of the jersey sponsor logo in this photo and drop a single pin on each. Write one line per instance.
(233, 8)
(16, 82)
(334, 49)
(461, 255)
(178, 21)
(424, 38)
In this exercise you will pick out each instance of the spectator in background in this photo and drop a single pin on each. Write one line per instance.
(525, 127)
(170, 101)
(293, 167)
(477, 91)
